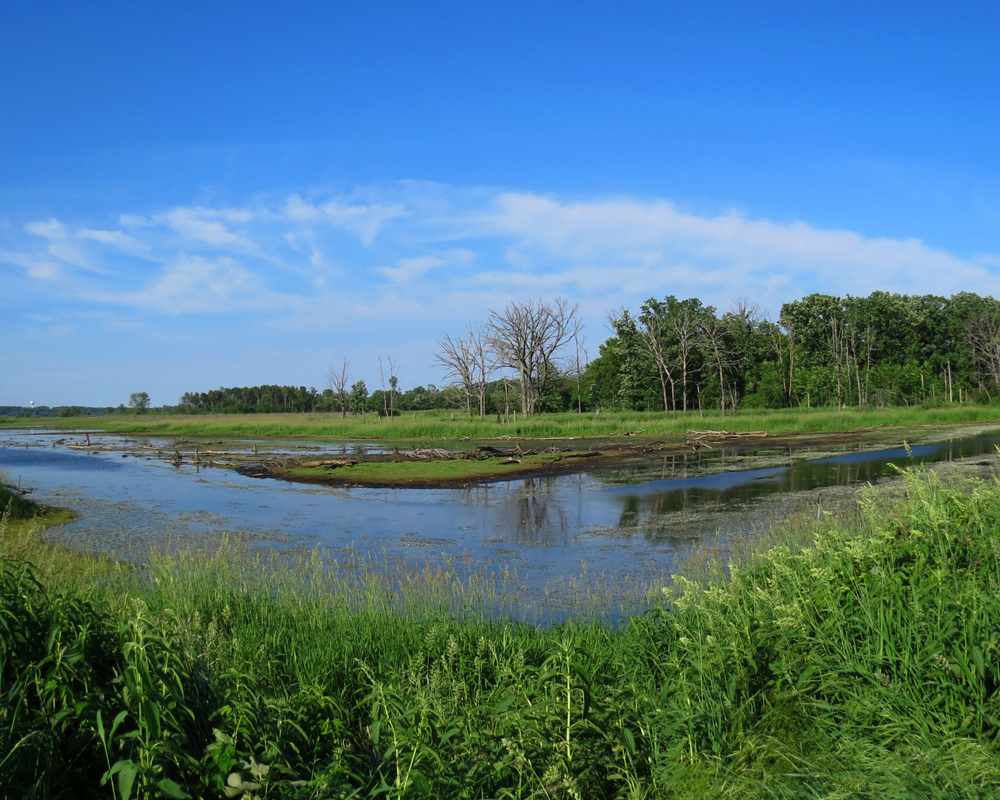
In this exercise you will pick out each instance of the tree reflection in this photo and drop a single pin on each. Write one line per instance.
(534, 513)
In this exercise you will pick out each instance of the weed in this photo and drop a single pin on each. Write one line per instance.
(852, 657)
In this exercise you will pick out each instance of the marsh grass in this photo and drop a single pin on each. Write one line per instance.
(14, 505)
(404, 473)
(845, 658)
(440, 425)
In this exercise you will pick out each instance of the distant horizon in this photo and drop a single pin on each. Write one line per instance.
(196, 197)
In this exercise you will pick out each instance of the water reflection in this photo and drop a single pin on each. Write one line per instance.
(619, 521)
(643, 504)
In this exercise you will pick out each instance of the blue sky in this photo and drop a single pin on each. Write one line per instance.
(195, 195)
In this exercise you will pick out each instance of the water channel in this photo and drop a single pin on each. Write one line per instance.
(625, 523)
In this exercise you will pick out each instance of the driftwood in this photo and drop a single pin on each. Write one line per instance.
(329, 464)
(728, 434)
(431, 452)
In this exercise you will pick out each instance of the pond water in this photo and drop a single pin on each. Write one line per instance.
(627, 523)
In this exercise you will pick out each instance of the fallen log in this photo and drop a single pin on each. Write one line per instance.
(728, 434)
(329, 464)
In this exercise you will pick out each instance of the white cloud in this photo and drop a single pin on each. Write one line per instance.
(53, 229)
(38, 268)
(45, 271)
(195, 224)
(408, 269)
(289, 255)
(365, 221)
(117, 239)
(656, 246)
(199, 285)
(70, 253)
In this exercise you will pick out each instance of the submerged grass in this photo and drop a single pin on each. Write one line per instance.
(442, 424)
(848, 659)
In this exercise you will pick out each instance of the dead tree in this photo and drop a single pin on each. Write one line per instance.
(388, 395)
(337, 381)
(470, 362)
(652, 336)
(715, 336)
(982, 333)
(526, 337)
(578, 346)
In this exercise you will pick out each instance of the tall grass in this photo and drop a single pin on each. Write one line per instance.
(15, 505)
(849, 659)
(441, 425)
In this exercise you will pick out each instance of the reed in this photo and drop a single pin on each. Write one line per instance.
(853, 657)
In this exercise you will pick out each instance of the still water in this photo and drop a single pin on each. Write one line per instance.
(627, 522)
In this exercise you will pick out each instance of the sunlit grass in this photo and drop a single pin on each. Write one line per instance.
(840, 657)
(440, 425)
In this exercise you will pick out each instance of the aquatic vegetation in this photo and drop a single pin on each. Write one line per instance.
(848, 657)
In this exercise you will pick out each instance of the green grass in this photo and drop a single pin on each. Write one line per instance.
(847, 659)
(26, 536)
(439, 425)
(15, 505)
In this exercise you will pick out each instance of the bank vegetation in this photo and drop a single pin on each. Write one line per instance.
(850, 657)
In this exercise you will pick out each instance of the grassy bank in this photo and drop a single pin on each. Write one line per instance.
(439, 425)
(851, 660)
(24, 536)
(457, 472)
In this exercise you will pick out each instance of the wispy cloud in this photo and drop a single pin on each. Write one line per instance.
(194, 285)
(434, 248)
(117, 239)
(409, 269)
(650, 243)
(363, 220)
(196, 224)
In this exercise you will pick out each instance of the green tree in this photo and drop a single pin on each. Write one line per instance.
(139, 401)
(358, 397)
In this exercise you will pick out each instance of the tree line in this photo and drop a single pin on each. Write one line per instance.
(876, 351)
(299, 399)
(678, 355)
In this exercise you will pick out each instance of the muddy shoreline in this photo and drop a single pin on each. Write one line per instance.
(579, 456)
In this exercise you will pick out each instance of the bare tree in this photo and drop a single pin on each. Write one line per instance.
(456, 357)
(337, 381)
(685, 319)
(471, 362)
(578, 346)
(388, 395)
(653, 338)
(526, 337)
(982, 332)
(715, 335)
(484, 362)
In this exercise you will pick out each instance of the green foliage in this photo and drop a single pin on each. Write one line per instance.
(139, 402)
(848, 660)
(868, 352)
(14, 505)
